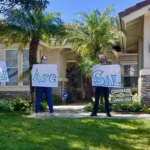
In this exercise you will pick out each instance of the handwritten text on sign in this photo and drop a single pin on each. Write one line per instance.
(3, 72)
(45, 75)
(106, 75)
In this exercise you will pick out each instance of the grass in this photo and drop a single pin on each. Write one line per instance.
(18, 133)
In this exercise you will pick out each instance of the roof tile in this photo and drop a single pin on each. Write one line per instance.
(134, 8)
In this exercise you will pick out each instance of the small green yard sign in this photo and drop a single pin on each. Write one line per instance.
(121, 95)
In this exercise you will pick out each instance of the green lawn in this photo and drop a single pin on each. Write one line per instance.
(18, 133)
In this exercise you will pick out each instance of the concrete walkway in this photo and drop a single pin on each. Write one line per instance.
(77, 112)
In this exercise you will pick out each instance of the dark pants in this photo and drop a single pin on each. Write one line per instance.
(39, 95)
(98, 92)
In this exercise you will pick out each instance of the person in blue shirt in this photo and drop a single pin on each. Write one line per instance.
(99, 90)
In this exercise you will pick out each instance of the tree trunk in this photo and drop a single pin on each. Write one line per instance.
(33, 60)
(86, 89)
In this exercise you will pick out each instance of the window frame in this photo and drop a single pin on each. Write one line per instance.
(130, 64)
(23, 68)
(12, 67)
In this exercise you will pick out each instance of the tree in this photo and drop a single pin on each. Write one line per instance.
(25, 27)
(96, 33)
(7, 5)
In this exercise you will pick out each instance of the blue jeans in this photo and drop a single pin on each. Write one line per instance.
(39, 96)
(98, 92)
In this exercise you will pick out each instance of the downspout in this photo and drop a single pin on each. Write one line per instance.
(62, 75)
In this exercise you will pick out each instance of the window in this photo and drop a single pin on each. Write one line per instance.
(12, 67)
(26, 66)
(130, 76)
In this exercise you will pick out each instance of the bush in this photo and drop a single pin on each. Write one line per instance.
(17, 104)
(43, 106)
(89, 108)
(101, 108)
(6, 105)
(146, 109)
(31, 107)
(133, 107)
(20, 105)
(56, 100)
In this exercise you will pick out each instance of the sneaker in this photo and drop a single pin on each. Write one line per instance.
(93, 114)
(52, 115)
(36, 115)
(108, 115)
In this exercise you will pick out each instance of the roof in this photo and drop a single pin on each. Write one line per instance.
(134, 8)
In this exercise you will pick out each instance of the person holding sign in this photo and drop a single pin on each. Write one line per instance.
(3, 71)
(99, 90)
(40, 90)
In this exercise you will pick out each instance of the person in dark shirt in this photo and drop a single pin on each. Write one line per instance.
(99, 90)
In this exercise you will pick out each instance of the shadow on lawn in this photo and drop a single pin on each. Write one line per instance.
(74, 134)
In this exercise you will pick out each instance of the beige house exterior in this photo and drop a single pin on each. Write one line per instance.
(18, 62)
(135, 21)
(133, 52)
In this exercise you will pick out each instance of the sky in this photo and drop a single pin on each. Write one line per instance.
(69, 8)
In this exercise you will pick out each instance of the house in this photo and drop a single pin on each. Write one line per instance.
(135, 21)
(133, 51)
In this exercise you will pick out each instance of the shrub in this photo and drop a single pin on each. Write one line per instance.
(101, 108)
(56, 99)
(31, 107)
(136, 103)
(89, 108)
(6, 105)
(20, 105)
(146, 109)
(17, 104)
(134, 106)
(43, 106)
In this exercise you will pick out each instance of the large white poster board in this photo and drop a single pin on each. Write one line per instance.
(45, 75)
(3, 72)
(106, 75)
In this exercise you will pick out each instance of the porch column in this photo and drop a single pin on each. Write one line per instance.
(144, 80)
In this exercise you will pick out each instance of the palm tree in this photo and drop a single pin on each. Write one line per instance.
(7, 5)
(96, 33)
(25, 27)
